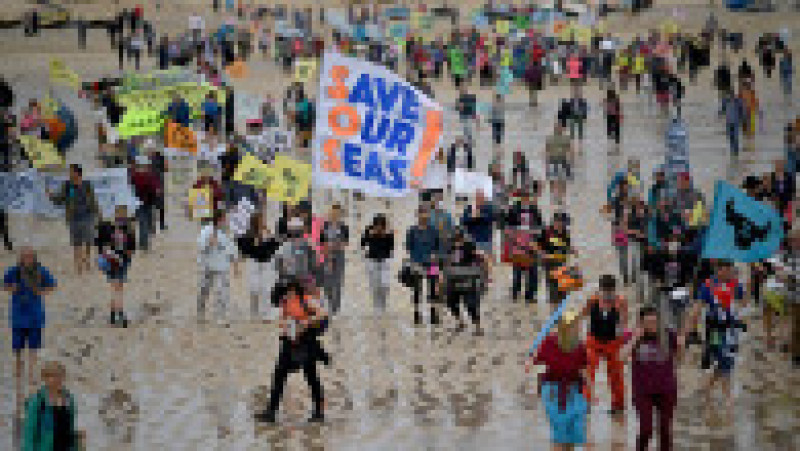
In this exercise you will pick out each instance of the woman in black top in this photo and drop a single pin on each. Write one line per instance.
(259, 244)
(115, 246)
(378, 241)
(462, 284)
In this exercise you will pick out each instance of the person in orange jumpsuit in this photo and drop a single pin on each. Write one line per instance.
(607, 313)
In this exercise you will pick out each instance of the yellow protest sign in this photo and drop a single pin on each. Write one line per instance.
(583, 35)
(201, 202)
(669, 27)
(61, 74)
(252, 171)
(304, 70)
(42, 154)
(177, 136)
(502, 27)
(292, 180)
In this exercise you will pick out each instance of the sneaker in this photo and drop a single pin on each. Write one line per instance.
(265, 416)
(417, 318)
(317, 417)
(113, 319)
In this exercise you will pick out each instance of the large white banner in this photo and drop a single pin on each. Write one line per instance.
(375, 132)
(26, 192)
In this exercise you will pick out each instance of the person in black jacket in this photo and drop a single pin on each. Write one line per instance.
(260, 245)
(378, 241)
(115, 246)
(460, 156)
(303, 320)
(463, 286)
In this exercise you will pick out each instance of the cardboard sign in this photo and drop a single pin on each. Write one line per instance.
(292, 180)
(252, 171)
(466, 182)
(305, 70)
(179, 137)
(140, 123)
(61, 74)
(201, 203)
(42, 154)
(239, 218)
(237, 69)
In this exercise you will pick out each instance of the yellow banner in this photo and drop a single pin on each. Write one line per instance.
(138, 122)
(201, 203)
(304, 70)
(583, 35)
(292, 180)
(61, 74)
(42, 154)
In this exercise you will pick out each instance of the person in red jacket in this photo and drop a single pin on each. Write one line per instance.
(147, 187)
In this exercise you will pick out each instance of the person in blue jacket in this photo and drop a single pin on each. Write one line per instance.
(27, 282)
(179, 111)
(422, 244)
(478, 220)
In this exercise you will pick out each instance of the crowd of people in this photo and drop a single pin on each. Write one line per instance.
(297, 261)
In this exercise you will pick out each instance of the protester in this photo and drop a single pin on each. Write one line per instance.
(50, 414)
(559, 156)
(378, 241)
(720, 295)
(147, 187)
(607, 314)
(422, 243)
(260, 245)
(526, 217)
(215, 255)
(28, 282)
(613, 111)
(561, 385)
(556, 247)
(302, 322)
(115, 246)
(81, 212)
(334, 239)
(654, 382)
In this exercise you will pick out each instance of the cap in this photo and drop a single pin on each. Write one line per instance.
(569, 316)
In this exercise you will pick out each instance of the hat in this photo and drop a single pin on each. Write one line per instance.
(569, 316)
(142, 160)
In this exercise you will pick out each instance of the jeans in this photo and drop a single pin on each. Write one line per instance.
(575, 123)
(145, 217)
(220, 281)
(624, 267)
(645, 406)
(4, 228)
(531, 281)
(471, 302)
(417, 290)
(377, 274)
(282, 370)
(333, 276)
(733, 139)
(497, 132)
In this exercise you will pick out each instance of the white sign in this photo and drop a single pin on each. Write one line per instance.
(375, 132)
(239, 218)
(466, 182)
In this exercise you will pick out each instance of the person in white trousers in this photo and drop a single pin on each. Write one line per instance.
(216, 252)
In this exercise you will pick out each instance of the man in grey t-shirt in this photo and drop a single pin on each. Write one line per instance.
(81, 213)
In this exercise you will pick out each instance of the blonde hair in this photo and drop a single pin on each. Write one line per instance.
(53, 368)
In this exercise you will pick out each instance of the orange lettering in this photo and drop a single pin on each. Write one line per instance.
(353, 120)
(332, 163)
(338, 75)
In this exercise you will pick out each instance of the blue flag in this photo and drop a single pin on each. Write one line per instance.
(548, 325)
(741, 228)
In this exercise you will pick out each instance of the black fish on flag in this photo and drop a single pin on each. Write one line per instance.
(745, 232)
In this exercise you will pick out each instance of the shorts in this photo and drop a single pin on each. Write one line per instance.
(567, 426)
(22, 335)
(81, 232)
(118, 274)
(559, 169)
(721, 359)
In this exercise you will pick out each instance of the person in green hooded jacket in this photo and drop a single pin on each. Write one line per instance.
(50, 414)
